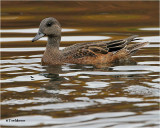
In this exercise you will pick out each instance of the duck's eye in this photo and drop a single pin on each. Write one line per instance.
(49, 24)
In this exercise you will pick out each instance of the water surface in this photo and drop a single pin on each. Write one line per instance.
(80, 96)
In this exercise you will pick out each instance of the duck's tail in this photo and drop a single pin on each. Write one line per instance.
(132, 48)
(132, 38)
(129, 49)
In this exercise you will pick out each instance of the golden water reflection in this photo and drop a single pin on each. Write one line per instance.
(70, 95)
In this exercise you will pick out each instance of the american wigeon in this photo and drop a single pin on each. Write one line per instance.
(83, 53)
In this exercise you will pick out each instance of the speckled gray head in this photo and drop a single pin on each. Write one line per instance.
(49, 27)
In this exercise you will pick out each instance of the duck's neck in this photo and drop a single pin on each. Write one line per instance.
(53, 42)
(52, 53)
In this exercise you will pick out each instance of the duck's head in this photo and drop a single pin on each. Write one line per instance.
(49, 27)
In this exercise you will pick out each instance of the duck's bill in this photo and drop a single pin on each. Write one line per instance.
(38, 36)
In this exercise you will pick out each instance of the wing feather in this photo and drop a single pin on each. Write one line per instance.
(92, 49)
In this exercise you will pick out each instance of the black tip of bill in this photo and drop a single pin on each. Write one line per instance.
(38, 36)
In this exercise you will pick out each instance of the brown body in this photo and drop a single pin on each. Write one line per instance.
(92, 53)
(103, 52)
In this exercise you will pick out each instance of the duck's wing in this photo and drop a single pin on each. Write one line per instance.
(92, 49)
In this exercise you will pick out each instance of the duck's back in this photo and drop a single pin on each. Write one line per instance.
(101, 52)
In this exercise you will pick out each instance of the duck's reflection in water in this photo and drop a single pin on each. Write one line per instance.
(69, 81)
(53, 71)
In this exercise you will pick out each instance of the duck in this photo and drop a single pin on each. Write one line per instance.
(101, 52)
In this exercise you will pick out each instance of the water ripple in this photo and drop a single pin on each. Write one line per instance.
(64, 38)
(31, 30)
